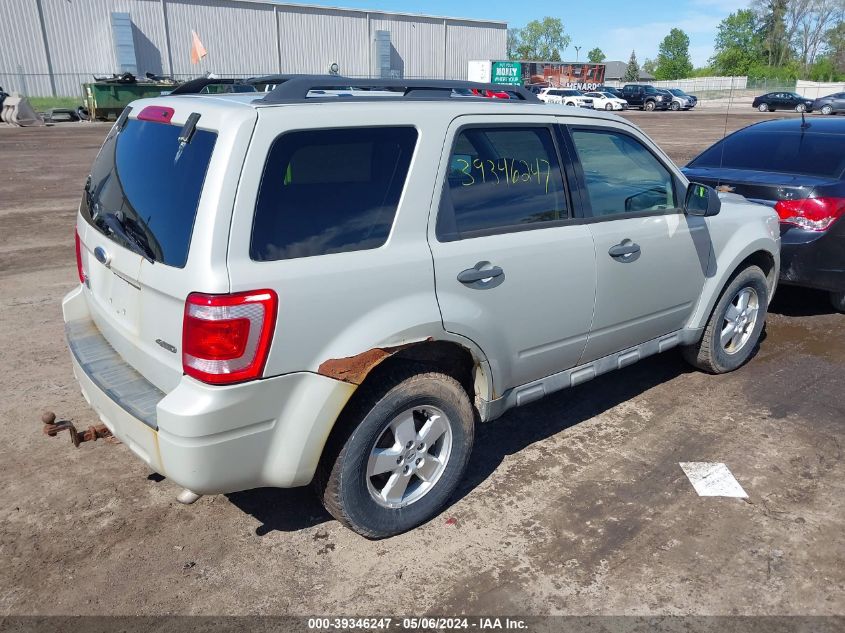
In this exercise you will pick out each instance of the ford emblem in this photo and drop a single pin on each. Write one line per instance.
(102, 256)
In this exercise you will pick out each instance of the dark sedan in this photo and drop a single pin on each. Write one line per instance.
(831, 104)
(798, 168)
(782, 101)
(614, 91)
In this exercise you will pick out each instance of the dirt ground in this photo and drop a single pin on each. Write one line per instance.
(573, 505)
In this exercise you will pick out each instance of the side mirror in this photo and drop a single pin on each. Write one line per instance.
(702, 200)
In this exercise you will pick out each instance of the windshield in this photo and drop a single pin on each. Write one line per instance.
(678, 92)
(787, 152)
(145, 186)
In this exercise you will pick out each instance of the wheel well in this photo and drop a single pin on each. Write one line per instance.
(765, 262)
(441, 356)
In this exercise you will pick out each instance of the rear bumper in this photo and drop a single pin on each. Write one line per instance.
(209, 439)
(812, 259)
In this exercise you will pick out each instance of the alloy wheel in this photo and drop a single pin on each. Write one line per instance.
(409, 456)
(739, 320)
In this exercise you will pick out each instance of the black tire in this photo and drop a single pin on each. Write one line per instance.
(649, 106)
(608, 106)
(837, 300)
(763, 107)
(827, 109)
(675, 107)
(708, 354)
(800, 108)
(342, 481)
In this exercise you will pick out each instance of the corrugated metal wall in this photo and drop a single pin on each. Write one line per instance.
(22, 48)
(311, 39)
(472, 40)
(242, 39)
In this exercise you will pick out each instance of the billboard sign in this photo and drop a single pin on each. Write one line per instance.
(578, 75)
(507, 73)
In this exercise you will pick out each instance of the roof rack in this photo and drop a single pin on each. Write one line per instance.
(297, 88)
(196, 86)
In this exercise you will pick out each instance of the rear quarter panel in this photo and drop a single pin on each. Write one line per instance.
(341, 305)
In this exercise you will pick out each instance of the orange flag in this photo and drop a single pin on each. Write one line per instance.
(197, 49)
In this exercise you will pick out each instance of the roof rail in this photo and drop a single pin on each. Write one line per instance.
(296, 88)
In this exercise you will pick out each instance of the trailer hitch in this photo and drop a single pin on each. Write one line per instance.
(52, 428)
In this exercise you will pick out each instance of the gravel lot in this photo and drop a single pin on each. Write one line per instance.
(573, 505)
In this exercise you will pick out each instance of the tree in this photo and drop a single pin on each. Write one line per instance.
(632, 71)
(596, 56)
(739, 44)
(811, 27)
(542, 40)
(650, 66)
(835, 46)
(513, 43)
(673, 60)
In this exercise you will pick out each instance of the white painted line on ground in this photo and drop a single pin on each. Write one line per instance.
(711, 479)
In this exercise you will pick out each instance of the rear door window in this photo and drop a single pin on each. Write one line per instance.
(501, 180)
(149, 183)
(330, 191)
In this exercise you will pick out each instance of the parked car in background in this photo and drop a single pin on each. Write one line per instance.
(831, 104)
(782, 101)
(268, 295)
(566, 96)
(606, 101)
(798, 168)
(616, 92)
(675, 103)
(536, 88)
(644, 97)
(681, 100)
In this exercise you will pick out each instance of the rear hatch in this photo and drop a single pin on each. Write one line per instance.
(153, 223)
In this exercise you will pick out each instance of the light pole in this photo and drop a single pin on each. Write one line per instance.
(577, 51)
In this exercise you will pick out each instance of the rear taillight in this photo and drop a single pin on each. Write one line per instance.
(79, 268)
(813, 214)
(226, 338)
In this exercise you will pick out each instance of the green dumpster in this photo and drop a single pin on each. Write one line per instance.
(106, 101)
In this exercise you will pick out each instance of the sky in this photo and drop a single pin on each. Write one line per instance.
(615, 26)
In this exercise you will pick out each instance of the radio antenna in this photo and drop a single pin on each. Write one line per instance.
(725, 131)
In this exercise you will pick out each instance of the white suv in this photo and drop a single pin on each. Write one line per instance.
(289, 289)
(566, 96)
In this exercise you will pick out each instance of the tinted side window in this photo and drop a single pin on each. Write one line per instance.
(622, 175)
(500, 180)
(330, 191)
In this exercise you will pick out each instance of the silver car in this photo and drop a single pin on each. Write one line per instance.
(291, 289)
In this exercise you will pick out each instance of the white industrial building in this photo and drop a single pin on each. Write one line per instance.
(50, 47)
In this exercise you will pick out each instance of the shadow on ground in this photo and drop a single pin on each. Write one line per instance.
(800, 302)
(294, 509)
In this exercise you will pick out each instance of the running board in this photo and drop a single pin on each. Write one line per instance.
(533, 391)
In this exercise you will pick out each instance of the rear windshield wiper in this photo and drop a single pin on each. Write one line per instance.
(113, 223)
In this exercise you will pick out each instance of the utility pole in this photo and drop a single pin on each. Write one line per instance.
(577, 51)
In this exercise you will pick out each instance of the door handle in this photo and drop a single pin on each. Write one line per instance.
(471, 275)
(625, 250)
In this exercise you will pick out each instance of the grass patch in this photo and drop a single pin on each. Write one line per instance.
(42, 104)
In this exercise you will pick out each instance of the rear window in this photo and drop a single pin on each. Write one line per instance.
(787, 152)
(151, 184)
(330, 191)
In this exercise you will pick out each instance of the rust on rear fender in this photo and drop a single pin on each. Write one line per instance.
(354, 369)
